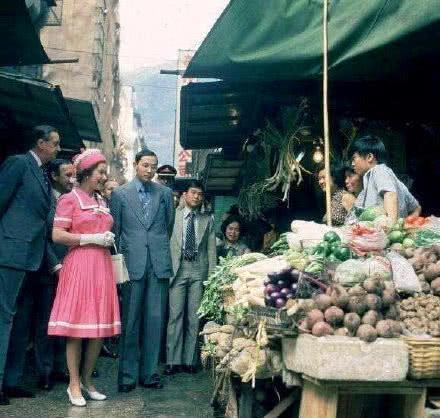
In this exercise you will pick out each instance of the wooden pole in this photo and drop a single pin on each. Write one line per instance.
(325, 115)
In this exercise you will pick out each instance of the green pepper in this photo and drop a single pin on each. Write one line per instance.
(331, 237)
(322, 249)
(334, 248)
(343, 253)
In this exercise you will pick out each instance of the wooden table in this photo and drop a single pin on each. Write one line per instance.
(353, 399)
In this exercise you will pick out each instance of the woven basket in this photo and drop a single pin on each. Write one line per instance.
(424, 357)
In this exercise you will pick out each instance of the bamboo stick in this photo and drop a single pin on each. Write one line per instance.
(325, 115)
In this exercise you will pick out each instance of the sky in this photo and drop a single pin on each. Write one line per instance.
(153, 31)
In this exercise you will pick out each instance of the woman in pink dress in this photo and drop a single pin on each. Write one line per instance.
(86, 302)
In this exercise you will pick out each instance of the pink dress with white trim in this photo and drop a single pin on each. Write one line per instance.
(86, 302)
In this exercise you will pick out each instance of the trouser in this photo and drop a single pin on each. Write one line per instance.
(15, 324)
(50, 352)
(143, 307)
(183, 323)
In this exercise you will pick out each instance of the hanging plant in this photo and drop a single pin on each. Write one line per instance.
(280, 168)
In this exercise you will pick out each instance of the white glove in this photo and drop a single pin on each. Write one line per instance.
(106, 239)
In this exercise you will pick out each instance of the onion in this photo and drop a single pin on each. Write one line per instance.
(321, 329)
(323, 301)
(334, 315)
(314, 316)
(366, 333)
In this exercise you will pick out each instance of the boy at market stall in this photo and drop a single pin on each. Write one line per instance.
(381, 187)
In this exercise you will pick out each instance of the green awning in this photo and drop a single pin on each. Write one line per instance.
(83, 117)
(30, 102)
(19, 41)
(216, 115)
(257, 40)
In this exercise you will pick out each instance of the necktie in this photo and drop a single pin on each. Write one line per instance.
(189, 252)
(145, 200)
(46, 178)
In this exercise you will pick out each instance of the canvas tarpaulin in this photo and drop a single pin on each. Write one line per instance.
(256, 40)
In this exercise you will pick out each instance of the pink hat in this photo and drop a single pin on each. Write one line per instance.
(88, 159)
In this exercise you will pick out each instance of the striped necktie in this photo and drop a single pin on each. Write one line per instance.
(189, 252)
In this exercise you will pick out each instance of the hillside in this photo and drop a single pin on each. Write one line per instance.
(156, 102)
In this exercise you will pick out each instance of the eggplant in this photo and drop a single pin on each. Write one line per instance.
(294, 287)
(284, 291)
(282, 283)
(280, 303)
(294, 274)
(273, 277)
(269, 301)
(275, 295)
(290, 295)
(271, 288)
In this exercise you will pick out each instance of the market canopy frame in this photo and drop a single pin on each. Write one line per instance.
(19, 41)
(28, 102)
(84, 118)
(368, 40)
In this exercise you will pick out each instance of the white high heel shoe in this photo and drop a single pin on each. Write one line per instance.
(94, 395)
(76, 401)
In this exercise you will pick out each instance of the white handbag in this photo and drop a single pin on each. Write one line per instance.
(119, 268)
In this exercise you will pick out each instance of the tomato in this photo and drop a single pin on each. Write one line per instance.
(410, 219)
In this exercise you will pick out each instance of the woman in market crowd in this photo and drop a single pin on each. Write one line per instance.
(353, 181)
(232, 229)
(341, 200)
(86, 303)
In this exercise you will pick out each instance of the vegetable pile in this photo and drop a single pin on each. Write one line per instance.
(211, 306)
(365, 311)
(287, 284)
(426, 264)
(331, 248)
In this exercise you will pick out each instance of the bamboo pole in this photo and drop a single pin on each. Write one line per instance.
(325, 115)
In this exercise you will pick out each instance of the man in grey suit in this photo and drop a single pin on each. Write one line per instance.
(193, 251)
(143, 214)
(26, 213)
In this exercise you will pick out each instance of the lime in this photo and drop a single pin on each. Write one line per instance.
(343, 253)
(396, 236)
(408, 243)
(331, 237)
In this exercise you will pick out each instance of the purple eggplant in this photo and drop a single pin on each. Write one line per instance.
(271, 288)
(269, 301)
(290, 296)
(282, 283)
(275, 295)
(280, 303)
(284, 291)
(273, 277)
(294, 287)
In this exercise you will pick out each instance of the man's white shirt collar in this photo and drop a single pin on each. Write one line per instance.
(37, 158)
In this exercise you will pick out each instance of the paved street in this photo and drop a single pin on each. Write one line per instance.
(183, 396)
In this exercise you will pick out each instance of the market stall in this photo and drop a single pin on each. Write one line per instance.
(331, 310)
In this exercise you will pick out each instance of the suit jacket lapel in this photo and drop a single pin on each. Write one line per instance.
(178, 227)
(202, 223)
(133, 198)
(36, 171)
(155, 199)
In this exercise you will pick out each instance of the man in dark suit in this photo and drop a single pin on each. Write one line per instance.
(50, 357)
(26, 213)
(143, 214)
